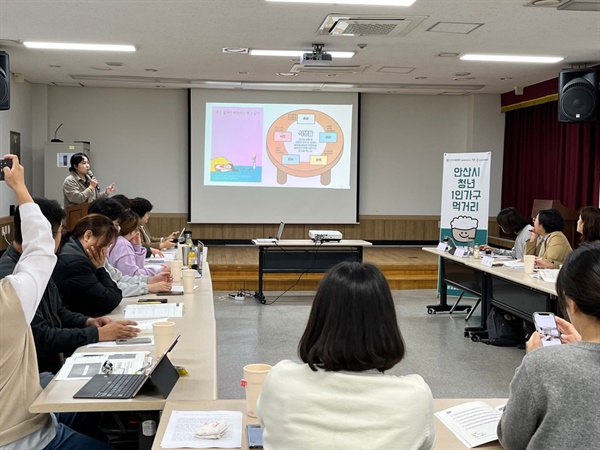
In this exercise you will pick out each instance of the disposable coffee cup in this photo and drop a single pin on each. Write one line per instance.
(254, 377)
(188, 277)
(164, 333)
(176, 269)
(529, 263)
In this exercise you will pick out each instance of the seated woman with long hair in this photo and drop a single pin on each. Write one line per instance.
(554, 399)
(588, 224)
(84, 284)
(340, 396)
(127, 254)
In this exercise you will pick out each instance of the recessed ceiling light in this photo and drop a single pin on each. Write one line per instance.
(448, 54)
(512, 58)
(287, 74)
(353, 2)
(235, 50)
(296, 53)
(105, 69)
(114, 63)
(461, 74)
(70, 46)
(151, 70)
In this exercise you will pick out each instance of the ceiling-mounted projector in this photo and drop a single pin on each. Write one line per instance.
(316, 59)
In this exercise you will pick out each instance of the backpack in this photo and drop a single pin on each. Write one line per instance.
(504, 330)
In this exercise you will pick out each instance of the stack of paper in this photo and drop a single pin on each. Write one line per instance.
(474, 423)
(515, 264)
(86, 365)
(154, 311)
(183, 425)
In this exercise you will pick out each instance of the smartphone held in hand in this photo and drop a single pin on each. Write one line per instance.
(4, 163)
(545, 323)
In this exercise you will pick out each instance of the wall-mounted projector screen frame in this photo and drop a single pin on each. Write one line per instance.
(270, 156)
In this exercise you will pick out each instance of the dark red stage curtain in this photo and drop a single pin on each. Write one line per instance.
(546, 159)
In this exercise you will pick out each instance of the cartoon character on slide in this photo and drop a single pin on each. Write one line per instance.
(221, 164)
(464, 228)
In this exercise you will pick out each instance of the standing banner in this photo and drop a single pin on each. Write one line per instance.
(465, 200)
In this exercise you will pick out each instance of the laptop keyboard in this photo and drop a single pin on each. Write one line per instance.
(120, 386)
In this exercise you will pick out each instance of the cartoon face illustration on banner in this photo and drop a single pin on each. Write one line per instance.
(464, 228)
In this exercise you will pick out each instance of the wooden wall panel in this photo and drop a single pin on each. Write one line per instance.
(374, 228)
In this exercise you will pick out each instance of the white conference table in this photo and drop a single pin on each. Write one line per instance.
(445, 439)
(512, 290)
(196, 351)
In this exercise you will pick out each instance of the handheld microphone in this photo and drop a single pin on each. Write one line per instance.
(91, 175)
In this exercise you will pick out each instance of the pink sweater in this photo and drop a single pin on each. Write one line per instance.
(129, 258)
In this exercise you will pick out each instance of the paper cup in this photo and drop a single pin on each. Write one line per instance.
(164, 333)
(529, 263)
(176, 269)
(188, 277)
(254, 377)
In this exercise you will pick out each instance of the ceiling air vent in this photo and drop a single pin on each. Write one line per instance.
(338, 25)
(308, 68)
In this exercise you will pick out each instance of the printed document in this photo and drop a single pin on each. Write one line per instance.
(82, 366)
(154, 311)
(474, 423)
(182, 427)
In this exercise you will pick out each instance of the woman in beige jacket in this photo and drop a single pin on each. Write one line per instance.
(547, 240)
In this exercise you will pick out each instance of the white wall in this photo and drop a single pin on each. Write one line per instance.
(139, 140)
(403, 139)
(17, 118)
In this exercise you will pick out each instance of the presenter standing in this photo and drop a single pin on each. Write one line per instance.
(81, 186)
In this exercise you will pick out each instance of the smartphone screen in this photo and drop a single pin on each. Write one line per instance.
(254, 433)
(545, 323)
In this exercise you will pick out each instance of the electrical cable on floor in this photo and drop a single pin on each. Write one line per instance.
(318, 245)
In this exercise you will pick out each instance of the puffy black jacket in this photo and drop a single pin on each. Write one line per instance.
(84, 288)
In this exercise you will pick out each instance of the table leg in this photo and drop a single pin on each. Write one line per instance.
(443, 305)
(259, 292)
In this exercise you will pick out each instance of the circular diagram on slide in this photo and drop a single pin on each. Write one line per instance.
(305, 143)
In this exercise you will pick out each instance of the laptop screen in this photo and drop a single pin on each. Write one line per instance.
(280, 231)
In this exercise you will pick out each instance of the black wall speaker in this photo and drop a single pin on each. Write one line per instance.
(4, 81)
(577, 95)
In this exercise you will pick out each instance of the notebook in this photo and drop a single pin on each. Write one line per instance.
(276, 238)
(122, 386)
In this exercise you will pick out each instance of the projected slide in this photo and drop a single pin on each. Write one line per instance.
(278, 145)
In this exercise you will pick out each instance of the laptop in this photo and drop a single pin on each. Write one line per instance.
(163, 376)
(276, 238)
